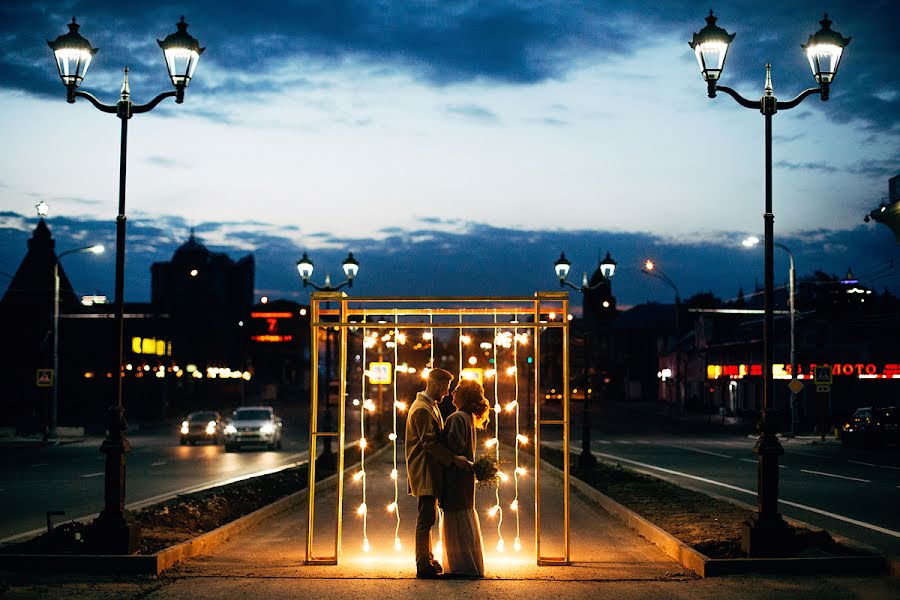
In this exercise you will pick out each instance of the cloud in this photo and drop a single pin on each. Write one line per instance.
(805, 166)
(163, 161)
(473, 112)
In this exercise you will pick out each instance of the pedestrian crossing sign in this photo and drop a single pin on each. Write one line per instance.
(44, 378)
(823, 375)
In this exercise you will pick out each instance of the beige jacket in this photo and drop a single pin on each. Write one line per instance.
(426, 454)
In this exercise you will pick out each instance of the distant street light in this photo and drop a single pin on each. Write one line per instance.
(764, 536)
(795, 417)
(111, 532)
(350, 267)
(54, 402)
(652, 270)
(607, 269)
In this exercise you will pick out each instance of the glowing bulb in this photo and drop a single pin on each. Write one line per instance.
(425, 372)
(362, 443)
(522, 439)
(517, 545)
(392, 507)
(359, 475)
(366, 546)
(397, 545)
(512, 406)
(401, 406)
(497, 408)
(490, 373)
(520, 470)
(369, 405)
(356, 402)
(427, 335)
(500, 545)
(514, 505)
(385, 337)
(511, 370)
(473, 360)
(552, 316)
(401, 338)
(393, 473)
(503, 476)
(493, 510)
(392, 436)
(438, 550)
(362, 509)
(465, 339)
(491, 442)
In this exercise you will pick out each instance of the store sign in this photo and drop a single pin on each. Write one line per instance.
(473, 373)
(380, 373)
(152, 346)
(806, 371)
(271, 327)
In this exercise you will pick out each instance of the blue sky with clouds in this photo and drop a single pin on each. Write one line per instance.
(472, 140)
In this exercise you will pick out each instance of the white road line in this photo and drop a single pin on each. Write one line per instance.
(755, 462)
(889, 467)
(607, 442)
(890, 532)
(92, 474)
(858, 462)
(836, 476)
(159, 463)
(39, 465)
(701, 451)
(808, 454)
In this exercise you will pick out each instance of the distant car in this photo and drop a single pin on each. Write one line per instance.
(872, 426)
(253, 425)
(202, 426)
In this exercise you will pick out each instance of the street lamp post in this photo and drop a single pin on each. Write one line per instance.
(110, 531)
(792, 283)
(305, 269)
(607, 269)
(764, 534)
(652, 270)
(54, 400)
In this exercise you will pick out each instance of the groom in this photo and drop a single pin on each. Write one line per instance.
(426, 458)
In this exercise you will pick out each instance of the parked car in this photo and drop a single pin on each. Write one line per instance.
(872, 426)
(202, 426)
(253, 425)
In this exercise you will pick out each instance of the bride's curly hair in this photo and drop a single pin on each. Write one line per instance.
(469, 396)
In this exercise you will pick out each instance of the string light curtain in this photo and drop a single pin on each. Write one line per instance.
(394, 506)
(366, 404)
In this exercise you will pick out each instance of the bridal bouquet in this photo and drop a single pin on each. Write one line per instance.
(487, 469)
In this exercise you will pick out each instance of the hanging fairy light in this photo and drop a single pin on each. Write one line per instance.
(520, 438)
(497, 509)
(393, 438)
(360, 475)
(429, 336)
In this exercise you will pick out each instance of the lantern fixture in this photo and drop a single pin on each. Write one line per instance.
(824, 50)
(182, 52)
(562, 266)
(710, 46)
(608, 266)
(305, 268)
(351, 268)
(73, 57)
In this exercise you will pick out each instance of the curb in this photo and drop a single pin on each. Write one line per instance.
(704, 566)
(153, 564)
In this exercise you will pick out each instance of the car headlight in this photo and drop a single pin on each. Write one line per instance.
(267, 429)
(184, 427)
(211, 428)
(230, 429)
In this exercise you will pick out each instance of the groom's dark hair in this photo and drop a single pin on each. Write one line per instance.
(440, 376)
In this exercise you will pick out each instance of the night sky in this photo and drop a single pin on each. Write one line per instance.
(454, 147)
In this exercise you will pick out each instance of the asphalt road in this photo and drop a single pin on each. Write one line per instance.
(851, 492)
(35, 479)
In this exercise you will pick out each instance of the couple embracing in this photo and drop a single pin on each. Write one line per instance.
(439, 459)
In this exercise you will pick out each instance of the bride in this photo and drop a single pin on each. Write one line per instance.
(461, 533)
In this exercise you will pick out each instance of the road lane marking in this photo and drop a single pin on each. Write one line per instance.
(92, 474)
(701, 451)
(819, 511)
(603, 442)
(159, 463)
(859, 462)
(756, 462)
(833, 475)
(39, 465)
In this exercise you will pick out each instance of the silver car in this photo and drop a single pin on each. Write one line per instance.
(257, 425)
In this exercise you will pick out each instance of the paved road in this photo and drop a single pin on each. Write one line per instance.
(851, 492)
(35, 479)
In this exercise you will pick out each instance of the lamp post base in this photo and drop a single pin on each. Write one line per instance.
(765, 537)
(586, 461)
(113, 536)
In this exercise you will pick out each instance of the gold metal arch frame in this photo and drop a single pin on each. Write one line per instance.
(438, 313)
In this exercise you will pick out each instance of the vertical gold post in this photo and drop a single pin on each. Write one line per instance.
(341, 431)
(565, 358)
(313, 422)
(537, 429)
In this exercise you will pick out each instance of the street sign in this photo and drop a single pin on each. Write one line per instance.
(823, 389)
(380, 373)
(44, 378)
(796, 386)
(823, 375)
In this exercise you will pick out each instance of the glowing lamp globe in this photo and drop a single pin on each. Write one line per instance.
(73, 55)
(562, 266)
(710, 46)
(351, 268)
(305, 268)
(824, 50)
(608, 266)
(182, 52)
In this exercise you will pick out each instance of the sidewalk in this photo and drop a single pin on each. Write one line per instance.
(609, 560)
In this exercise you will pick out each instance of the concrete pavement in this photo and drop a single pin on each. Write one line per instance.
(609, 560)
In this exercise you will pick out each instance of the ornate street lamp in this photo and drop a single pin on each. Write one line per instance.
(652, 270)
(111, 532)
(350, 267)
(561, 267)
(764, 535)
